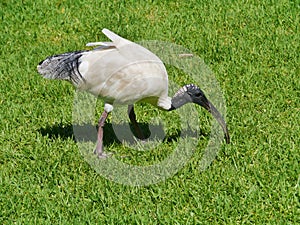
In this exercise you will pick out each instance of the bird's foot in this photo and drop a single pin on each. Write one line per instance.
(104, 155)
(100, 153)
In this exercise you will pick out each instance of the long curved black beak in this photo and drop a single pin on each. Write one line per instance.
(212, 109)
(191, 93)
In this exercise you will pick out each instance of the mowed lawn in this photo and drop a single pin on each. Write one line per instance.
(252, 47)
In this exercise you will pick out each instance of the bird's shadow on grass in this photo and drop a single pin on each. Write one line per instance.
(113, 133)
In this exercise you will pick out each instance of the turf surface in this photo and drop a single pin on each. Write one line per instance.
(253, 49)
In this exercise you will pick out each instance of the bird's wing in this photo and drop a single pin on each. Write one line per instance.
(131, 51)
(117, 40)
(106, 44)
(101, 45)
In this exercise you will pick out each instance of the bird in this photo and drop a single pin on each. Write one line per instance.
(122, 72)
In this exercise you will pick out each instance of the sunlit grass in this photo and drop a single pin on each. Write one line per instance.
(253, 49)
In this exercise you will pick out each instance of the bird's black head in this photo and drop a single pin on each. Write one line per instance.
(191, 93)
(197, 95)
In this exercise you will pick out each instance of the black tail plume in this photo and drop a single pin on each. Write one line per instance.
(62, 67)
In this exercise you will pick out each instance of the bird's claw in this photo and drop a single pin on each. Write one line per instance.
(102, 155)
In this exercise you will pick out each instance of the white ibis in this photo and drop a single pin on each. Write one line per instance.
(122, 72)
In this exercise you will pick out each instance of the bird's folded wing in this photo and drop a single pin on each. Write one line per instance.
(101, 45)
(111, 35)
(117, 41)
(106, 44)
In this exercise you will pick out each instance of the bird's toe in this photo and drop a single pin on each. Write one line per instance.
(104, 155)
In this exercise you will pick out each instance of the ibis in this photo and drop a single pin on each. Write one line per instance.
(122, 72)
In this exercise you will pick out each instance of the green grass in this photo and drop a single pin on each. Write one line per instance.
(253, 49)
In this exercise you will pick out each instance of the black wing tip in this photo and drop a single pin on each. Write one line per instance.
(41, 62)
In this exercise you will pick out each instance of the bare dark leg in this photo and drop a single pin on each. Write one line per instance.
(135, 124)
(99, 148)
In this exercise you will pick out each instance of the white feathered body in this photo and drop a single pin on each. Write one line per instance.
(120, 72)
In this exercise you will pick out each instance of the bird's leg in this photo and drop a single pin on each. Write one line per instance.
(135, 124)
(99, 148)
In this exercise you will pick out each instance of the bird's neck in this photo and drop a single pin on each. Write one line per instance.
(179, 99)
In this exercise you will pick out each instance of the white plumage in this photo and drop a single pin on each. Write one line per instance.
(121, 72)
